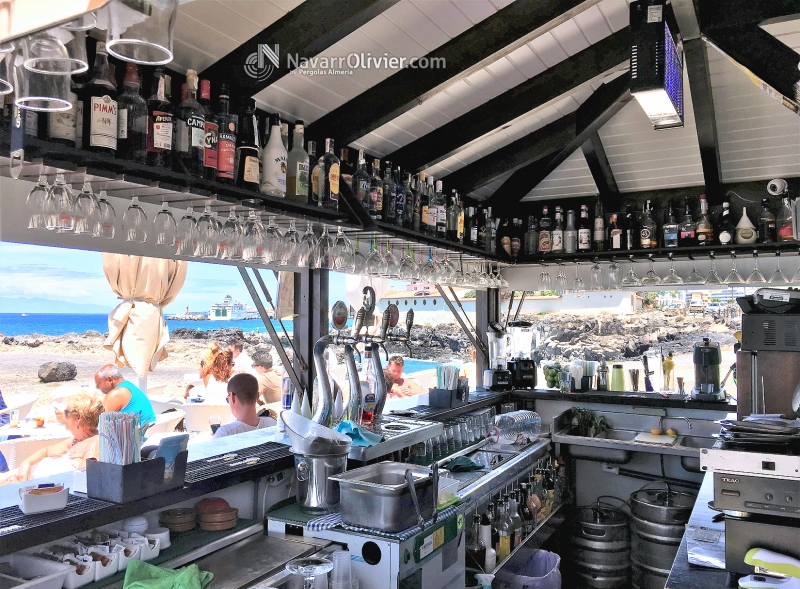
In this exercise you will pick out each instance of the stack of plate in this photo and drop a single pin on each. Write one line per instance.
(214, 520)
(179, 520)
(764, 432)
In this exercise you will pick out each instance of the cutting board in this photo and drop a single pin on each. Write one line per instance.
(648, 438)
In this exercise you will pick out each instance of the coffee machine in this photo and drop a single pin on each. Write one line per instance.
(497, 377)
(707, 360)
(521, 366)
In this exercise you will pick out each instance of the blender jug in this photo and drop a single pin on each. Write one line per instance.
(521, 336)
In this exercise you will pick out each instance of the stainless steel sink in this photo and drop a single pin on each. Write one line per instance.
(692, 463)
(623, 435)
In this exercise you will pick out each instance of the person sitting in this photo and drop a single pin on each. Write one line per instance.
(122, 395)
(269, 381)
(403, 386)
(241, 361)
(81, 418)
(242, 399)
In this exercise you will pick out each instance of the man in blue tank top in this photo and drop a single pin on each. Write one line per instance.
(122, 395)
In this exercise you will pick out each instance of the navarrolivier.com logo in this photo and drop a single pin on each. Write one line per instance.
(260, 64)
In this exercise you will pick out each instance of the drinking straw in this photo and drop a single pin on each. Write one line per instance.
(120, 438)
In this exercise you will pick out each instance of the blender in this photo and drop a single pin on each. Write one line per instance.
(521, 365)
(707, 360)
(497, 377)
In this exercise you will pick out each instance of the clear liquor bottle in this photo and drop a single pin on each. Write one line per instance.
(767, 225)
(570, 234)
(670, 228)
(389, 194)
(504, 532)
(475, 548)
(513, 510)
(376, 191)
(297, 164)
(599, 233)
(430, 223)
(273, 161)
(421, 205)
(525, 510)
(531, 237)
(453, 215)
(408, 208)
(329, 170)
(617, 238)
(211, 137)
(584, 230)
(785, 221)
(491, 231)
(441, 212)
(557, 239)
(545, 235)
(360, 183)
(226, 139)
(704, 230)
(400, 198)
(313, 179)
(727, 230)
(248, 166)
(100, 107)
(647, 229)
(686, 235)
(472, 227)
(190, 131)
(159, 122)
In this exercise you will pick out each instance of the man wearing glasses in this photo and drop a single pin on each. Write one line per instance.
(242, 398)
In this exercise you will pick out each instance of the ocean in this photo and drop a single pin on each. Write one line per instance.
(59, 324)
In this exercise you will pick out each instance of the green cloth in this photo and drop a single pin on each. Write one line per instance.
(141, 575)
(462, 464)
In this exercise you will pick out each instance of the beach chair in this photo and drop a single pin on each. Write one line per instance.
(18, 449)
(22, 403)
(197, 415)
(166, 422)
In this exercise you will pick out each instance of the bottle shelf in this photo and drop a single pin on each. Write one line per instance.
(553, 519)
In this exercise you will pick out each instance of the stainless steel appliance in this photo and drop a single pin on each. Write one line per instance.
(707, 360)
(497, 377)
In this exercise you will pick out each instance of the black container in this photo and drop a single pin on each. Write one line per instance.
(447, 398)
(123, 484)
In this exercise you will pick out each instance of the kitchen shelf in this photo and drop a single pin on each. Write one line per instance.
(554, 519)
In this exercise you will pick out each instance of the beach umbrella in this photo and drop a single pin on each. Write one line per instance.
(137, 331)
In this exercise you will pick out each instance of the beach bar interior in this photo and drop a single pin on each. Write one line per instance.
(556, 154)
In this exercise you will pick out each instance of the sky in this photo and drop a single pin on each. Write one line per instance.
(68, 277)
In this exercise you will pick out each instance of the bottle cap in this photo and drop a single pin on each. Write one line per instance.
(312, 147)
(101, 48)
(205, 89)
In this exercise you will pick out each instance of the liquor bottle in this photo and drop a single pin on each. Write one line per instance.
(486, 534)
(376, 192)
(416, 205)
(452, 222)
(647, 228)
(525, 510)
(531, 237)
(190, 131)
(491, 231)
(159, 123)
(226, 138)
(570, 234)
(616, 234)
(408, 208)
(503, 237)
(767, 226)
(369, 389)
(360, 183)
(745, 230)
(584, 230)
(430, 220)
(62, 126)
(399, 197)
(504, 531)
(100, 107)
(670, 228)
(476, 549)
(329, 170)
(785, 221)
(273, 161)
(132, 118)
(460, 237)
(389, 194)
(346, 169)
(313, 179)
(557, 236)
(472, 230)
(247, 160)
(491, 515)
(704, 230)
(424, 204)
(285, 135)
(211, 136)
(599, 233)
(441, 212)
(297, 179)
(78, 86)
(686, 233)
(545, 225)
(631, 229)
(513, 511)
(727, 230)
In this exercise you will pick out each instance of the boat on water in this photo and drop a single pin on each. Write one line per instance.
(228, 310)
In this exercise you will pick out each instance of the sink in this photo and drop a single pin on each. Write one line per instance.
(622, 435)
(600, 454)
(692, 463)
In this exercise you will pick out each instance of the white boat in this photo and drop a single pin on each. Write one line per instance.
(227, 310)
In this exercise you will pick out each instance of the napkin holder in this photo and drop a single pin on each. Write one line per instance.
(448, 398)
(123, 484)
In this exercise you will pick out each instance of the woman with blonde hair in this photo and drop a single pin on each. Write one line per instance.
(212, 351)
(81, 418)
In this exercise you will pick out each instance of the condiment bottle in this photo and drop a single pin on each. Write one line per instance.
(617, 378)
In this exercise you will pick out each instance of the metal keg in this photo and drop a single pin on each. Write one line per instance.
(600, 547)
(658, 521)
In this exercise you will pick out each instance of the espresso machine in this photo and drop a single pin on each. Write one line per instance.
(497, 377)
(521, 366)
(707, 360)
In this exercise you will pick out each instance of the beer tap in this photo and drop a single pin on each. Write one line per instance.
(405, 339)
(323, 399)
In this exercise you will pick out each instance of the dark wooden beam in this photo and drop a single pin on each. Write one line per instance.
(598, 109)
(533, 146)
(307, 30)
(550, 84)
(405, 89)
(696, 59)
(721, 14)
(603, 175)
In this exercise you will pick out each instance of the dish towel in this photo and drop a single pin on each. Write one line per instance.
(334, 520)
(141, 575)
(462, 464)
(361, 437)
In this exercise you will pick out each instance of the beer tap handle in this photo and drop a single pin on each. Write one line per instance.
(385, 323)
(358, 323)
(409, 322)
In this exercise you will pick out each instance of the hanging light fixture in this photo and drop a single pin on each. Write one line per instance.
(656, 65)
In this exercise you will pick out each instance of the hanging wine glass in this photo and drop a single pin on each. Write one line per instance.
(374, 265)
(416, 267)
(36, 201)
(756, 277)
(134, 222)
(694, 276)
(165, 226)
(64, 204)
(614, 276)
(545, 282)
(578, 285)
(796, 277)
(405, 271)
(252, 238)
(631, 278)
(214, 236)
(672, 278)
(392, 263)
(651, 278)
(458, 277)
(713, 278)
(273, 244)
(428, 271)
(291, 245)
(733, 276)
(359, 259)
(228, 237)
(205, 233)
(307, 251)
(324, 251)
(596, 277)
(779, 278)
(85, 210)
(238, 251)
(344, 256)
(185, 234)
(561, 280)
(106, 218)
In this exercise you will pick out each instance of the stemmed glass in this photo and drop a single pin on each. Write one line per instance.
(631, 278)
(310, 568)
(713, 278)
(273, 242)
(796, 277)
(614, 276)
(672, 278)
(206, 238)
(64, 202)
(501, 280)
(86, 210)
(756, 277)
(545, 282)
(779, 278)
(733, 276)
(186, 234)
(323, 253)
(106, 218)
(578, 285)
(428, 271)
(392, 263)
(134, 222)
(164, 226)
(406, 269)
(343, 254)
(694, 276)
(253, 238)
(359, 259)
(228, 237)
(596, 277)
(376, 266)
(561, 280)
(651, 278)
(291, 245)
(36, 201)
(307, 250)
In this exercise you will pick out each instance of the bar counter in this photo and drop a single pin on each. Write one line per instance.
(637, 398)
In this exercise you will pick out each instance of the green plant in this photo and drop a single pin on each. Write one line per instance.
(589, 424)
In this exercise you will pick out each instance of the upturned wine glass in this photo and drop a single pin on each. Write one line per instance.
(36, 201)
(561, 280)
(651, 278)
(134, 222)
(205, 237)
(252, 238)
(273, 244)
(64, 203)
(392, 263)
(545, 281)
(185, 234)
(406, 269)
(733, 276)
(165, 227)
(428, 271)
(291, 245)
(672, 278)
(596, 277)
(324, 251)
(106, 226)
(343, 254)
(614, 276)
(756, 277)
(779, 278)
(359, 259)
(694, 276)
(376, 266)
(713, 278)
(578, 285)
(307, 250)
(228, 237)
(631, 278)
(87, 211)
